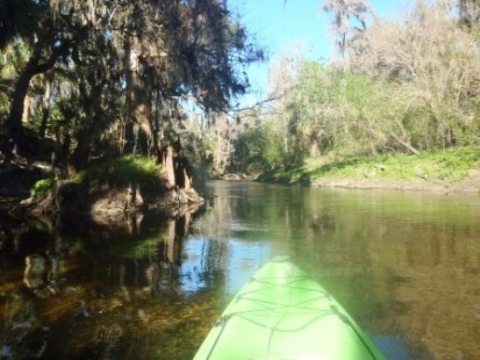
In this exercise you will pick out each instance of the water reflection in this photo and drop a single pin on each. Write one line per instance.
(97, 290)
(406, 266)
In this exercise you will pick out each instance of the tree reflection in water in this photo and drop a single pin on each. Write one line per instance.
(97, 291)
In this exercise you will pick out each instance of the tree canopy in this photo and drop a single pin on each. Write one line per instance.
(109, 76)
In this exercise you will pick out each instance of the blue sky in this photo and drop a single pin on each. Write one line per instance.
(278, 26)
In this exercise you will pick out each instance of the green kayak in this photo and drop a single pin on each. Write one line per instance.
(282, 314)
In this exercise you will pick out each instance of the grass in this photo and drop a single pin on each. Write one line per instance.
(450, 165)
(129, 169)
(122, 171)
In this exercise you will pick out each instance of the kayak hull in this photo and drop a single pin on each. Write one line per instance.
(281, 313)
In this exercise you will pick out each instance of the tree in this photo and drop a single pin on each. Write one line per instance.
(50, 32)
(118, 68)
(469, 12)
(349, 20)
(436, 62)
(194, 60)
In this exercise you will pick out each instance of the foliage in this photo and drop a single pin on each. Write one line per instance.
(261, 148)
(346, 112)
(438, 62)
(469, 12)
(41, 187)
(410, 87)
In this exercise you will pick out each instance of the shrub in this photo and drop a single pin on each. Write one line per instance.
(259, 149)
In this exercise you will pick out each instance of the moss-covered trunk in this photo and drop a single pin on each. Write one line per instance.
(139, 133)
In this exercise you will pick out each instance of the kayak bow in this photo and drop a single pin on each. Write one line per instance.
(281, 313)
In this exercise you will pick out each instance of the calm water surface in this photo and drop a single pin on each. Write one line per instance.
(405, 265)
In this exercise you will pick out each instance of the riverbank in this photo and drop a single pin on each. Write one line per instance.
(449, 171)
(111, 190)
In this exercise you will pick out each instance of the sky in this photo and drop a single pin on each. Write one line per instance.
(278, 25)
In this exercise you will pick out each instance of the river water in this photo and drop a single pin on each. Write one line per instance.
(406, 266)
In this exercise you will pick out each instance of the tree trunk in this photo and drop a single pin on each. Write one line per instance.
(405, 144)
(139, 97)
(13, 125)
(79, 158)
(43, 125)
(168, 167)
(313, 150)
(187, 182)
(45, 109)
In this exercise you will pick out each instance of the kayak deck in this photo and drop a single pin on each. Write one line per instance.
(283, 314)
